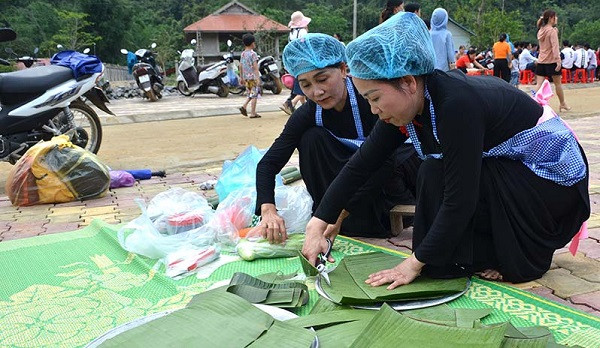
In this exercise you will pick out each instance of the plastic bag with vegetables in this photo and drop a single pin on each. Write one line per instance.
(252, 249)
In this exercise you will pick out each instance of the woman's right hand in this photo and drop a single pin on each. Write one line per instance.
(315, 242)
(558, 67)
(272, 226)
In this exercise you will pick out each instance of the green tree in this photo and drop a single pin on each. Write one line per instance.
(72, 34)
(586, 32)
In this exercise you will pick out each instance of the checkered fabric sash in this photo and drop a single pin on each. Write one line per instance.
(353, 144)
(549, 149)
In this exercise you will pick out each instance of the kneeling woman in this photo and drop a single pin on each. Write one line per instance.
(327, 131)
(504, 182)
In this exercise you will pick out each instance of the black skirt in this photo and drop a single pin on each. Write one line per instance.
(547, 70)
(519, 221)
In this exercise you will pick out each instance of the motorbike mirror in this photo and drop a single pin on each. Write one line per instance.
(9, 50)
(60, 47)
(36, 50)
(124, 51)
(86, 50)
(193, 42)
(178, 52)
(153, 45)
(229, 43)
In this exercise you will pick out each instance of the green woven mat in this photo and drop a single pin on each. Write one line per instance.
(66, 289)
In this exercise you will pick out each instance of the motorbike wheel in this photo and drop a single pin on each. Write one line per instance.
(181, 87)
(237, 89)
(277, 86)
(223, 90)
(151, 95)
(88, 129)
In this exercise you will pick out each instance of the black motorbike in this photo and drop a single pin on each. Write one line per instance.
(269, 74)
(146, 73)
(41, 102)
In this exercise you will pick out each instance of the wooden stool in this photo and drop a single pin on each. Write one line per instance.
(396, 214)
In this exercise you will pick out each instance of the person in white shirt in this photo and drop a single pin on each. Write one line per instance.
(569, 55)
(526, 60)
(592, 62)
(581, 60)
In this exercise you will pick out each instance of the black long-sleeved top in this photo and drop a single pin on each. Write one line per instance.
(472, 115)
(339, 123)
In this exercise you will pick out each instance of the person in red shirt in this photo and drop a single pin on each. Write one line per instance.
(468, 61)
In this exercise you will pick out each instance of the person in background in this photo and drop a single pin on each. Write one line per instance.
(580, 59)
(535, 50)
(298, 29)
(568, 57)
(327, 131)
(467, 61)
(549, 62)
(391, 8)
(592, 62)
(502, 58)
(338, 37)
(514, 70)
(414, 8)
(460, 53)
(526, 60)
(480, 208)
(442, 40)
(250, 76)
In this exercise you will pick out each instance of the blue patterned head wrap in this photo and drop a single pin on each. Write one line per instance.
(311, 52)
(398, 47)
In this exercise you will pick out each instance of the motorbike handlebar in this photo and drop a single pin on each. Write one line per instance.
(4, 62)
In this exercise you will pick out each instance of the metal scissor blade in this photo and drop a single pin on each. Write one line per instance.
(326, 277)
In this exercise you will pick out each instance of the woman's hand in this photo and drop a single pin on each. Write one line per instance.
(315, 242)
(558, 67)
(402, 274)
(272, 226)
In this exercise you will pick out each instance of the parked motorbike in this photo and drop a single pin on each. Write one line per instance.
(210, 78)
(146, 73)
(41, 102)
(233, 77)
(269, 74)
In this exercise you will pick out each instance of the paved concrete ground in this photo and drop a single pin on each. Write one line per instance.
(574, 281)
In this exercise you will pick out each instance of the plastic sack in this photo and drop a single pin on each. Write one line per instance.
(56, 171)
(294, 205)
(232, 76)
(154, 234)
(241, 173)
(121, 178)
(184, 262)
(233, 214)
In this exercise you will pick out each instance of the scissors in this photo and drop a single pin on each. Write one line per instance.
(322, 261)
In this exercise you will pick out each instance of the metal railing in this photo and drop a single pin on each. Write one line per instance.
(113, 72)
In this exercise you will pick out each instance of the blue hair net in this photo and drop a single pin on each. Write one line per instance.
(398, 47)
(311, 52)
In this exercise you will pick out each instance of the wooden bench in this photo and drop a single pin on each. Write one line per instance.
(396, 215)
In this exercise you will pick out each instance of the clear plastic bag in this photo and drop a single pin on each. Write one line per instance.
(233, 213)
(294, 205)
(241, 173)
(153, 235)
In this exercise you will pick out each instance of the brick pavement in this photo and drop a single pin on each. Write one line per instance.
(573, 281)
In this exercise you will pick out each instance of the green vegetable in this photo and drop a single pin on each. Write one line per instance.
(262, 249)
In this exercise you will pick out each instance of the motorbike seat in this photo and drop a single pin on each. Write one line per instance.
(34, 80)
(204, 67)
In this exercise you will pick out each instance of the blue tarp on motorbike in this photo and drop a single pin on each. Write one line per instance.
(131, 61)
(80, 64)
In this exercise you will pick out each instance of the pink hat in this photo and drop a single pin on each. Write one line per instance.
(298, 20)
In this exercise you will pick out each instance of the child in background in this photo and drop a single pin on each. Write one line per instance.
(250, 76)
(514, 70)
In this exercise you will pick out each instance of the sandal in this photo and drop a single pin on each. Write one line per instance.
(243, 111)
(255, 116)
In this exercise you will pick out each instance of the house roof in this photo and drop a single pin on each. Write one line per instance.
(235, 17)
(461, 26)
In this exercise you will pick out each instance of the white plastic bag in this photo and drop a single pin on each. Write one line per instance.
(233, 213)
(158, 232)
(294, 205)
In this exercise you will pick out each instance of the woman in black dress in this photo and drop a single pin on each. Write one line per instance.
(497, 193)
(327, 131)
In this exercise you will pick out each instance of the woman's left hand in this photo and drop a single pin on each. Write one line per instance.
(402, 274)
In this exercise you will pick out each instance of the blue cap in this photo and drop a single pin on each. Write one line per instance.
(398, 47)
(311, 52)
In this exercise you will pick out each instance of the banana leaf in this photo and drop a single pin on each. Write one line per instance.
(528, 337)
(285, 294)
(324, 305)
(466, 317)
(283, 334)
(441, 315)
(341, 335)
(309, 269)
(348, 282)
(322, 320)
(391, 329)
(215, 319)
